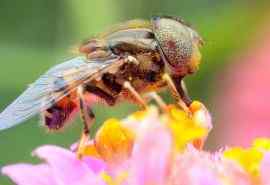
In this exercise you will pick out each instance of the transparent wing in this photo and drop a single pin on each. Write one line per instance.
(50, 87)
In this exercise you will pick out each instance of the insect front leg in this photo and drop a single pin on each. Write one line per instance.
(182, 90)
(176, 91)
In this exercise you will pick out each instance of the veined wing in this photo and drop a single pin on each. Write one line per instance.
(52, 86)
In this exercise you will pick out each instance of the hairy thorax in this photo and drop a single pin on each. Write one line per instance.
(145, 76)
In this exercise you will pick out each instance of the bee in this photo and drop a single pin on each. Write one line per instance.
(131, 59)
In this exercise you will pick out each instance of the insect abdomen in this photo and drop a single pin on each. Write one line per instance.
(61, 112)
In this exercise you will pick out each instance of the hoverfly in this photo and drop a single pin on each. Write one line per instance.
(133, 58)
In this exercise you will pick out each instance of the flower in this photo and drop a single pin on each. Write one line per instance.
(61, 167)
(149, 148)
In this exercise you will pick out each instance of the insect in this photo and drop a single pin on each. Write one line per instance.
(134, 58)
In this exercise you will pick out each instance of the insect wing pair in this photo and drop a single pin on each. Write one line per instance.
(51, 87)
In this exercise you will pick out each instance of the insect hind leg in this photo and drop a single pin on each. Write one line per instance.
(87, 117)
(109, 99)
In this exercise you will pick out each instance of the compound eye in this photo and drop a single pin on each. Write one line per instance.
(174, 40)
(177, 52)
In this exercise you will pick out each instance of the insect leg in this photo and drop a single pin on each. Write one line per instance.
(159, 101)
(110, 100)
(135, 94)
(175, 92)
(182, 90)
(87, 117)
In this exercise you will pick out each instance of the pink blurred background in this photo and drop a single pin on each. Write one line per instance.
(243, 97)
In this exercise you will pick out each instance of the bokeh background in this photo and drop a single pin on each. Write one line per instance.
(35, 35)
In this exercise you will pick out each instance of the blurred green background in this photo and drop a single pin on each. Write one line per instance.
(35, 35)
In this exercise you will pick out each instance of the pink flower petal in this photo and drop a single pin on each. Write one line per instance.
(96, 165)
(66, 168)
(151, 154)
(265, 169)
(202, 176)
(26, 174)
(194, 167)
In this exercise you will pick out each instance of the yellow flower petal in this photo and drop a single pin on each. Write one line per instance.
(195, 106)
(113, 141)
(118, 180)
(90, 150)
(184, 129)
(200, 115)
(262, 144)
(139, 115)
(249, 159)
